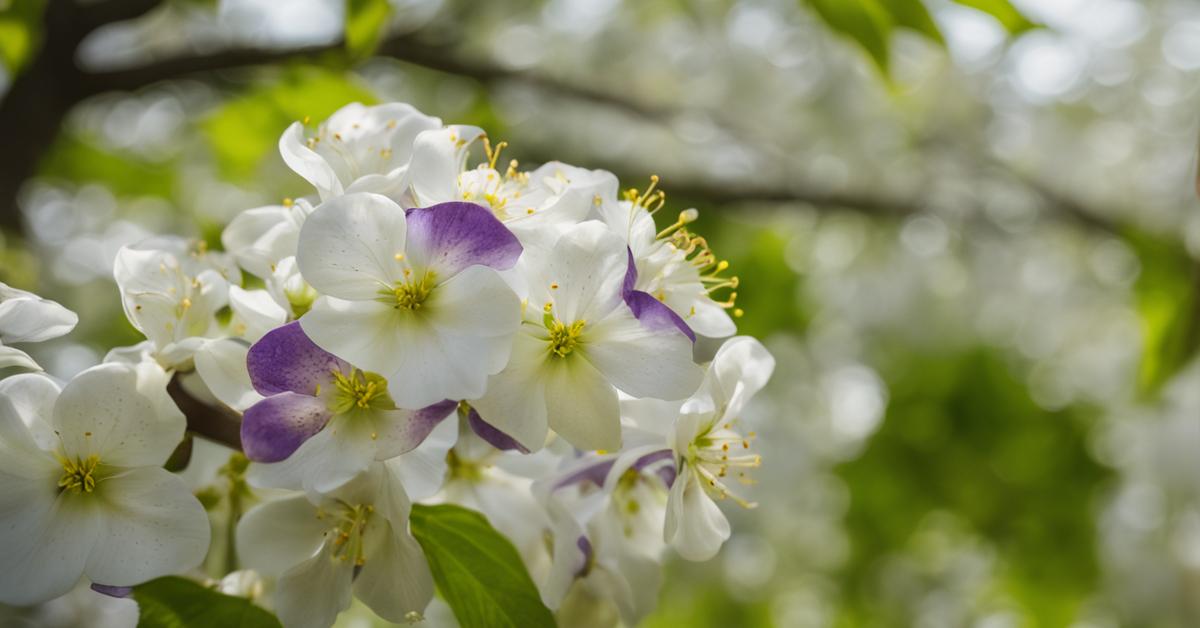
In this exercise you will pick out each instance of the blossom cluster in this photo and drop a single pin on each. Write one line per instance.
(417, 330)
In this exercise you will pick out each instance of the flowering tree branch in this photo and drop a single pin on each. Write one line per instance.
(212, 421)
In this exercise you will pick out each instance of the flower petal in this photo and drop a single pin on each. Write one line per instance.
(395, 580)
(222, 365)
(255, 312)
(102, 412)
(401, 431)
(493, 436)
(153, 526)
(46, 539)
(582, 405)
(476, 302)
(423, 470)
(32, 397)
(14, 357)
(275, 427)
(307, 163)
(449, 237)
(26, 317)
(349, 245)
(438, 159)
(278, 535)
(588, 265)
(286, 359)
(695, 526)
(740, 369)
(515, 398)
(322, 463)
(655, 314)
(641, 361)
(311, 594)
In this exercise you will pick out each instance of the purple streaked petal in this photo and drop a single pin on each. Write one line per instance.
(493, 436)
(589, 555)
(594, 473)
(286, 360)
(655, 314)
(449, 237)
(112, 591)
(667, 474)
(410, 428)
(631, 275)
(276, 426)
(653, 457)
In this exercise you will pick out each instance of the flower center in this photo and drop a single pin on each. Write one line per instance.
(359, 390)
(79, 474)
(350, 526)
(564, 338)
(410, 294)
(712, 458)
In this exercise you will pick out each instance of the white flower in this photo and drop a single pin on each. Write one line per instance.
(325, 548)
(673, 265)
(26, 317)
(578, 341)
(358, 149)
(414, 298)
(710, 452)
(260, 238)
(82, 489)
(173, 297)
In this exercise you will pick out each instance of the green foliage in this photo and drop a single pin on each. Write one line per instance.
(1003, 10)
(477, 570)
(963, 436)
(244, 131)
(20, 32)
(173, 602)
(1167, 304)
(871, 23)
(79, 160)
(366, 23)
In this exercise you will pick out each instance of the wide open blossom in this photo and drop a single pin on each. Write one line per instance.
(325, 548)
(414, 298)
(324, 421)
(578, 344)
(358, 149)
(82, 488)
(26, 317)
(672, 265)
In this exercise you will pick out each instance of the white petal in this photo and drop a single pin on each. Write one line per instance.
(348, 246)
(581, 404)
(740, 369)
(323, 463)
(32, 398)
(222, 365)
(515, 399)
(13, 357)
(438, 158)
(709, 319)
(642, 362)
(46, 541)
(588, 264)
(278, 535)
(30, 318)
(423, 469)
(695, 526)
(255, 312)
(395, 580)
(153, 527)
(307, 163)
(475, 302)
(102, 412)
(313, 593)
(261, 237)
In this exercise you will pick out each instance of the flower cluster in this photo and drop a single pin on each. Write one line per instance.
(420, 329)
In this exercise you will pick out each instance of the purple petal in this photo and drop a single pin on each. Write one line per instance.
(631, 275)
(493, 436)
(594, 473)
(416, 426)
(449, 237)
(585, 547)
(655, 314)
(667, 474)
(653, 457)
(286, 360)
(276, 426)
(112, 591)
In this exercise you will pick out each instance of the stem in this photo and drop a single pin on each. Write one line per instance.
(217, 423)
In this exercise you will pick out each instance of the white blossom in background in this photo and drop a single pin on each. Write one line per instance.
(26, 317)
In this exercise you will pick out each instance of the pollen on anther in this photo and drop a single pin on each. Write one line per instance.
(399, 257)
(554, 286)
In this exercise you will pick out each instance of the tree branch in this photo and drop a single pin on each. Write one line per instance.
(214, 422)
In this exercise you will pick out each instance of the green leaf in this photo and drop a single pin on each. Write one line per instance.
(174, 602)
(1003, 10)
(477, 570)
(866, 22)
(1167, 306)
(913, 15)
(246, 130)
(366, 22)
(20, 32)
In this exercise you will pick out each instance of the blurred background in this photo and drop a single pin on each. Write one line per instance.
(967, 229)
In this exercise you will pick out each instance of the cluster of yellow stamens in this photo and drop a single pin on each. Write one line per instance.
(349, 529)
(713, 457)
(410, 294)
(563, 337)
(496, 189)
(652, 199)
(358, 390)
(79, 475)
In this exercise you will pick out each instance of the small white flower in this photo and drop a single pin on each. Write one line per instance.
(323, 548)
(579, 343)
(82, 489)
(260, 238)
(26, 317)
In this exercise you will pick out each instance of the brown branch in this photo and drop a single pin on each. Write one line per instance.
(214, 422)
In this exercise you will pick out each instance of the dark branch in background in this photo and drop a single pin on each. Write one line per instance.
(212, 421)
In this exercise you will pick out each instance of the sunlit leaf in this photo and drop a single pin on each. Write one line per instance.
(477, 570)
(866, 22)
(1013, 20)
(366, 23)
(1167, 308)
(913, 15)
(173, 602)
